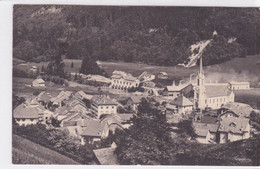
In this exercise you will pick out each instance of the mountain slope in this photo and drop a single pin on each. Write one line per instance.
(134, 34)
(27, 152)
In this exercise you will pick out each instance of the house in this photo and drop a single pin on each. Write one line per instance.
(99, 79)
(101, 104)
(33, 69)
(26, 115)
(94, 132)
(131, 102)
(145, 76)
(236, 109)
(239, 85)
(182, 105)
(162, 75)
(233, 129)
(62, 96)
(173, 90)
(106, 156)
(44, 98)
(123, 81)
(38, 83)
(82, 95)
(205, 133)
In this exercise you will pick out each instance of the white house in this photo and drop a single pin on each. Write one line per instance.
(101, 104)
(162, 75)
(205, 133)
(233, 129)
(38, 83)
(239, 85)
(121, 80)
(182, 104)
(26, 115)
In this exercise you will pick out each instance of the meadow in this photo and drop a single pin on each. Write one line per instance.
(27, 152)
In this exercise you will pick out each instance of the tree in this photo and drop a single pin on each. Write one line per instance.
(185, 126)
(148, 141)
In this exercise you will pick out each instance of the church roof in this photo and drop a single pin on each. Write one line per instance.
(216, 91)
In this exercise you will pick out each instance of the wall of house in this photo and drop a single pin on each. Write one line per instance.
(240, 86)
(201, 140)
(26, 122)
(123, 83)
(106, 109)
(223, 137)
(213, 137)
(185, 109)
(217, 102)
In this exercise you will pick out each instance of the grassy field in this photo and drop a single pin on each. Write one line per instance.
(251, 97)
(237, 69)
(27, 152)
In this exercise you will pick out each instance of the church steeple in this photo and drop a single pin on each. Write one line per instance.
(201, 65)
(199, 95)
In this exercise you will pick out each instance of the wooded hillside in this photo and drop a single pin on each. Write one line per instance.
(153, 35)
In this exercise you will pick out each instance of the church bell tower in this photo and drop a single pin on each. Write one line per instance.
(199, 92)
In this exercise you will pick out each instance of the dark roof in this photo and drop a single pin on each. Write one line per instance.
(69, 123)
(102, 100)
(136, 99)
(45, 97)
(240, 109)
(233, 124)
(209, 119)
(181, 101)
(106, 156)
(125, 117)
(26, 112)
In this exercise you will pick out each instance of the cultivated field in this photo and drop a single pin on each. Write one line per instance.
(27, 152)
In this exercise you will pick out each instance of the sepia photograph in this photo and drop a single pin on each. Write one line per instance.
(135, 85)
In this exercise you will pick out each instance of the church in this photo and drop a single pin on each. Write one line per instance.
(210, 95)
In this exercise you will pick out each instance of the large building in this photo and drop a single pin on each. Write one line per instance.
(239, 85)
(210, 95)
(123, 81)
(101, 104)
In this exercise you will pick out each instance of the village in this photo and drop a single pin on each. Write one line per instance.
(91, 117)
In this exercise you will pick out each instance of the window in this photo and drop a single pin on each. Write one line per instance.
(107, 107)
(101, 107)
(213, 100)
(205, 101)
(31, 119)
(112, 107)
(217, 100)
(23, 119)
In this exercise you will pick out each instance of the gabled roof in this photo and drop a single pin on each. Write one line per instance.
(136, 99)
(94, 128)
(216, 91)
(102, 100)
(181, 101)
(239, 83)
(39, 80)
(233, 124)
(209, 120)
(125, 117)
(26, 112)
(240, 109)
(43, 96)
(83, 95)
(106, 156)
(201, 128)
(63, 95)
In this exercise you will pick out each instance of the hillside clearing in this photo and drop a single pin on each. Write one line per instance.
(27, 152)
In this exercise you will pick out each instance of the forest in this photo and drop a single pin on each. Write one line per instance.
(153, 35)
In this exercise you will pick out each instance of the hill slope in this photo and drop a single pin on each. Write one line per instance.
(27, 152)
(134, 34)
